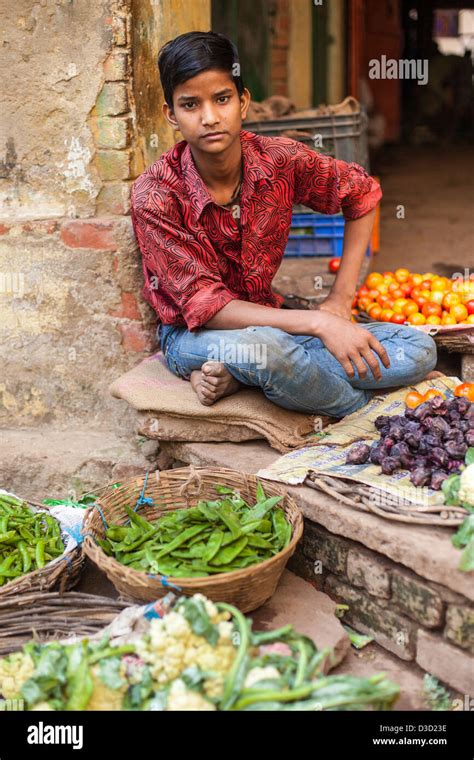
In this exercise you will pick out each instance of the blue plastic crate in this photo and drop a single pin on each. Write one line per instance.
(317, 235)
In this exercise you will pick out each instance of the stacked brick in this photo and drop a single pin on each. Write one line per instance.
(279, 47)
(111, 120)
(408, 615)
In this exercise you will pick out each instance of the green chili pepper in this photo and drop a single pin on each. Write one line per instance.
(180, 540)
(39, 556)
(229, 553)
(213, 546)
(24, 556)
(5, 537)
(138, 520)
(236, 673)
(27, 534)
(261, 509)
(230, 520)
(211, 513)
(11, 500)
(124, 546)
(116, 533)
(8, 562)
(282, 528)
(80, 683)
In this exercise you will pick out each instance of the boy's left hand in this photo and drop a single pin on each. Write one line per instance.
(336, 305)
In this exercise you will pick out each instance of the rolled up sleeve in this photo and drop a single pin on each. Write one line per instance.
(179, 268)
(330, 186)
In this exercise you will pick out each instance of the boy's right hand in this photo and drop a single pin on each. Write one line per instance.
(350, 344)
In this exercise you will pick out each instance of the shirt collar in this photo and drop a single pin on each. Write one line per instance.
(256, 172)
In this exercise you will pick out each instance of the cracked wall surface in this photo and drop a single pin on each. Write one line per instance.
(82, 108)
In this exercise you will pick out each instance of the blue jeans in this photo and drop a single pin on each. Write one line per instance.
(297, 371)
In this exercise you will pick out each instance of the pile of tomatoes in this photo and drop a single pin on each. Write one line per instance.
(414, 399)
(419, 299)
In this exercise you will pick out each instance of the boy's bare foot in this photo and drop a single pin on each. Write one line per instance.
(212, 382)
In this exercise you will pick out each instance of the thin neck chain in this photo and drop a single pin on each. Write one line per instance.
(236, 190)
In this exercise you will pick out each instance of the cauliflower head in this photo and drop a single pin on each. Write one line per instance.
(181, 698)
(14, 671)
(173, 647)
(466, 486)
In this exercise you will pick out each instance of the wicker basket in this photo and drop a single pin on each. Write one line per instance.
(247, 589)
(61, 574)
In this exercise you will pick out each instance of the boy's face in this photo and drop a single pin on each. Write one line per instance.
(206, 104)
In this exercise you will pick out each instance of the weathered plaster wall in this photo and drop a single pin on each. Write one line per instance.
(76, 130)
(52, 53)
(154, 23)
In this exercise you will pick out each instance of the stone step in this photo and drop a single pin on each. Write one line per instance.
(44, 463)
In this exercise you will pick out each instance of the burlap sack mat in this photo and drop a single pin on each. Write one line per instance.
(247, 414)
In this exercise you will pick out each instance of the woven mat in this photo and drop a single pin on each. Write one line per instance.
(152, 387)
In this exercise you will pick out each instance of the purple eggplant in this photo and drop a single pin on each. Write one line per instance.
(407, 461)
(412, 427)
(469, 437)
(439, 406)
(439, 457)
(359, 454)
(437, 478)
(376, 454)
(463, 405)
(420, 476)
(389, 465)
(381, 421)
(422, 410)
(455, 450)
(440, 426)
(413, 439)
(397, 431)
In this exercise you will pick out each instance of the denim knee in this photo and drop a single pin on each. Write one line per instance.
(281, 352)
(425, 353)
(428, 356)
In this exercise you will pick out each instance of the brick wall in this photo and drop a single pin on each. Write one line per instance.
(413, 618)
(279, 23)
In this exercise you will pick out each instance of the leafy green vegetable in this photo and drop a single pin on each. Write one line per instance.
(464, 537)
(358, 640)
(450, 489)
(109, 672)
(195, 613)
(469, 458)
(437, 697)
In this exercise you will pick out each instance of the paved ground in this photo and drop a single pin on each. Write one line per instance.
(435, 186)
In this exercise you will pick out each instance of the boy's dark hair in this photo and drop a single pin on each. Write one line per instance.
(192, 53)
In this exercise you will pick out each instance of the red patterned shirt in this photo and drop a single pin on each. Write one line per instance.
(195, 257)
